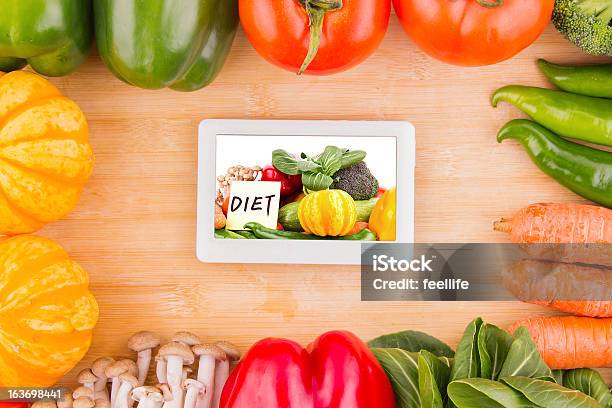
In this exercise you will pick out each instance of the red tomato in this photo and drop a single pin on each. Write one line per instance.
(280, 31)
(279, 227)
(466, 32)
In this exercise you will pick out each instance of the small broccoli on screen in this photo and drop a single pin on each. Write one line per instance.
(357, 181)
(586, 23)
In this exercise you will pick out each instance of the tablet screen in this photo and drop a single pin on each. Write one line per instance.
(305, 187)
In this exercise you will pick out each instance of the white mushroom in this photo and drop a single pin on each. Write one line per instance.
(165, 390)
(176, 355)
(113, 371)
(142, 343)
(66, 401)
(160, 369)
(128, 382)
(131, 365)
(147, 397)
(193, 389)
(98, 369)
(209, 354)
(187, 338)
(102, 403)
(83, 402)
(44, 404)
(222, 370)
(87, 378)
(186, 372)
(83, 392)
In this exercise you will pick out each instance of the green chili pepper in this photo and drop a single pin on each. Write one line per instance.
(246, 234)
(568, 115)
(590, 80)
(262, 232)
(363, 235)
(225, 234)
(585, 171)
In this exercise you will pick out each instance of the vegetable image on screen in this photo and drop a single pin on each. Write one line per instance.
(306, 188)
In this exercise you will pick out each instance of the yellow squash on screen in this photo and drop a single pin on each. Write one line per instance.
(383, 219)
(328, 213)
(45, 157)
(47, 312)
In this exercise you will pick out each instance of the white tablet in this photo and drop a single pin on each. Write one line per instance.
(302, 192)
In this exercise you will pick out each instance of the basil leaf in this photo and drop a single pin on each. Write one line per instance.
(524, 359)
(590, 383)
(402, 368)
(433, 379)
(413, 341)
(351, 158)
(493, 346)
(548, 394)
(316, 181)
(285, 162)
(479, 392)
(467, 364)
(331, 160)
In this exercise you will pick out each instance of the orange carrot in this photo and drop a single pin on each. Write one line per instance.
(567, 342)
(559, 224)
(576, 289)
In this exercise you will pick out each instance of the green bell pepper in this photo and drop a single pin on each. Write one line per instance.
(53, 36)
(154, 44)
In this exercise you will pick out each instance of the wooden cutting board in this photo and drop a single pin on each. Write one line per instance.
(134, 229)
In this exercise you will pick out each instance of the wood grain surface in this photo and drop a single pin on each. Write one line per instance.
(134, 229)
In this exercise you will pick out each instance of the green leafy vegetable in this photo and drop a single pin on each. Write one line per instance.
(467, 364)
(481, 393)
(331, 160)
(433, 379)
(316, 171)
(413, 341)
(402, 368)
(493, 346)
(590, 383)
(352, 157)
(316, 181)
(548, 394)
(285, 163)
(524, 359)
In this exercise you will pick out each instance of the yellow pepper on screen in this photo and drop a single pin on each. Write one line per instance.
(383, 217)
(328, 213)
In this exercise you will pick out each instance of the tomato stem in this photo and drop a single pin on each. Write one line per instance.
(490, 3)
(316, 10)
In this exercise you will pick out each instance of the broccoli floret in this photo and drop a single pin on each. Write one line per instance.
(357, 181)
(586, 23)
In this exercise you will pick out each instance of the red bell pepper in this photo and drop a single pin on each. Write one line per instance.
(336, 371)
(289, 184)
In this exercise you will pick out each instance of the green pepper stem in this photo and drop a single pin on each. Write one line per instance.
(316, 10)
(490, 3)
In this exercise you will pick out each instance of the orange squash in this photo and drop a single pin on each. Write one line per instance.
(47, 312)
(327, 213)
(45, 157)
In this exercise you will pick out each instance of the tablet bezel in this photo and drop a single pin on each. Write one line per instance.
(212, 250)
